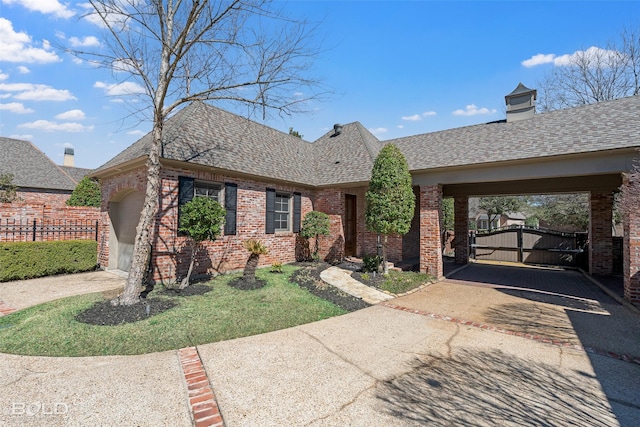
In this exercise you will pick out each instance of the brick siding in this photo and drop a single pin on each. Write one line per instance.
(430, 237)
(51, 198)
(461, 229)
(600, 233)
(631, 255)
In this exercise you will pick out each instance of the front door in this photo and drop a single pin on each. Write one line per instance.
(350, 220)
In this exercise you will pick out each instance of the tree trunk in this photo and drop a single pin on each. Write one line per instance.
(142, 244)
(187, 279)
(385, 267)
(249, 273)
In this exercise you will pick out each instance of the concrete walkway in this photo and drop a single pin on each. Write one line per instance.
(430, 358)
(342, 280)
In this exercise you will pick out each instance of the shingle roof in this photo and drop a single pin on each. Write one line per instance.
(30, 167)
(212, 137)
(206, 135)
(347, 157)
(590, 128)
(76, 174)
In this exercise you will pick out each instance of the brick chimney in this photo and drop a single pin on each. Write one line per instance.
(521, 103)
(68, 157)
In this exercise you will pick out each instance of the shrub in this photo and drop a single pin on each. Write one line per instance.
(371, 263)
(314, 225)
(26, 260)
(86, 193)
(276, 267)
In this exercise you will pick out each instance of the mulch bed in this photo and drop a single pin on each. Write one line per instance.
(103, 313)
(189, 291)
(308, 278)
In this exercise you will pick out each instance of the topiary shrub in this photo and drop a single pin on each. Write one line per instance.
(314, 225)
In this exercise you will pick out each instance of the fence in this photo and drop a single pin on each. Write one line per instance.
(532, 246)
(43, 230)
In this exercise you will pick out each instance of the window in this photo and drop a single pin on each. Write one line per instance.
(279, 213)
(188, 188)
(281, 217)
(207, 189)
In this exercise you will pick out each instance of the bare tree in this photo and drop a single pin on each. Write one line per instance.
(594, 75)
(208, 50)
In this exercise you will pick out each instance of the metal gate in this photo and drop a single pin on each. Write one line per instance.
(530, 246)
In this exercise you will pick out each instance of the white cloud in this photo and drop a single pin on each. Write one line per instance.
(473, 110)
(44, 6)
(36, 92)
(418, 117)
(48, 126)
(24, 137)
(136, 133)
(71, 115)
(16, 107)
(400, 127)
(23, 70)
(3, 76)
(538, 59)
(378, 131)
(594, 54)
(18, 47)
(88, 41)
(118, 89)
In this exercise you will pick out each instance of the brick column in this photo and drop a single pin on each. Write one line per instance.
(600, 237)
(631, 242)
(430, 237)
(461, 229)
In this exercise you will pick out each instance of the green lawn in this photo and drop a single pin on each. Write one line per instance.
(224, 313)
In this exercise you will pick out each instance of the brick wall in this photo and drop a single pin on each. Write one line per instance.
(331, 202)
(24, 214)
(411, 240)
(600, 241)
(461, 229)
(631, 255)
(171, 253)
(430, 240)
(51, 198)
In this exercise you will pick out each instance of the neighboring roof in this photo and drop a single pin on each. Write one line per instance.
(212, 137)
(597, 127)
(76, 174)
(30, 167)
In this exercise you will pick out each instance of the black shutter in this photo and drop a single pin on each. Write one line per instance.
(271, 211)
(231, 206)
(185, 193)
(297, 208)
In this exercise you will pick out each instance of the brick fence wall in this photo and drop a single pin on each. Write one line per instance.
(22, 213)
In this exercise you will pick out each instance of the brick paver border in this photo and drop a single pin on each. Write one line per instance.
(204, 407)
(6, 308)
(538, 338)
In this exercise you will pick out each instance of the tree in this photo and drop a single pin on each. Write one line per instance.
(201, 219)
(86, 193)
(594, 75)
(173, 52)
(295, 133)
(496, 206)
(390, 198)
(255, 249)
(8, 191)
(448, 218)
(562, 211)
(314, 225)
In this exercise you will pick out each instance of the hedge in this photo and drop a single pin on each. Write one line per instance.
(26, 260)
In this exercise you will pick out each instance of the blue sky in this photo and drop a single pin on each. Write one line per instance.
(398, 67)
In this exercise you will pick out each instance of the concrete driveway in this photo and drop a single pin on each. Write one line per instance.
(430, 358)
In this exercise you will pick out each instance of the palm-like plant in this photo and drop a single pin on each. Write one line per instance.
(255, 249)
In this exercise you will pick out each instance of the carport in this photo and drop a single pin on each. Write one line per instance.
(587, 149)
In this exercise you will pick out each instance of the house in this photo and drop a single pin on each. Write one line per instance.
(39, 180)
(268, 181)
(481, 220)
